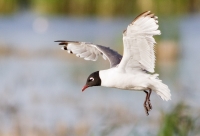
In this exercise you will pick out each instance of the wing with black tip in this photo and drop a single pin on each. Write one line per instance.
(90, 51)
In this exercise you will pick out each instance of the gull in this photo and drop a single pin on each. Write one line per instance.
(132, 71)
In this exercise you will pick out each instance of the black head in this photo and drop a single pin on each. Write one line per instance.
(92, 80)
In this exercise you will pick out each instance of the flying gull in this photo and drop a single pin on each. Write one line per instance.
(132, 71)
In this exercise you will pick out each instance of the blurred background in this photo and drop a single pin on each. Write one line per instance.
(40, 85)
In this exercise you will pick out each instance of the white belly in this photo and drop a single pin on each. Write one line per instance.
(115, 79)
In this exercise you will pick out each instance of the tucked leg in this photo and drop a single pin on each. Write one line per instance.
(149, 102)
(146, 104)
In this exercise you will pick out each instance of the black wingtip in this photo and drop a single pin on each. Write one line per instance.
(62, 42)
(59, 41)
(143, 14)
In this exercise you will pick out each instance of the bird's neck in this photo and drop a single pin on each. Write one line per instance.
(110, 77)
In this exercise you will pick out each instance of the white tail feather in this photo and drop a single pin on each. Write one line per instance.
(161, 89)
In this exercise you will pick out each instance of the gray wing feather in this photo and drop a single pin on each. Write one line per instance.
(90, 51)
(112, 55)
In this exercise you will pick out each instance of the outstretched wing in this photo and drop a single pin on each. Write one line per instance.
(90, 51)
(139, 43)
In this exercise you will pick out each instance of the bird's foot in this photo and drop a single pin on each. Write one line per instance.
(147, 108)
(149, 104)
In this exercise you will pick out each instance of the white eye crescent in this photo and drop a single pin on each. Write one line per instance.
(91, 79)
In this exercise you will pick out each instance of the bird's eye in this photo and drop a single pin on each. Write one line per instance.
(91, 79)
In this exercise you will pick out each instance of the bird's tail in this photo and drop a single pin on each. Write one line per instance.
(161, 89)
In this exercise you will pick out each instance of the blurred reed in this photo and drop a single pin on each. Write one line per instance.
(8, 6)
(114, 7)
(180, 122)
(103, 7)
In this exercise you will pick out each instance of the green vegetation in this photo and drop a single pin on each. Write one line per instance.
(8, 6)
(178, 122)
(102, 7)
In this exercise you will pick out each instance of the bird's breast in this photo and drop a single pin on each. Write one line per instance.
(115, 79)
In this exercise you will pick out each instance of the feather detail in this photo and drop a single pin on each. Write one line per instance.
(90, 51)
(139, 43)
